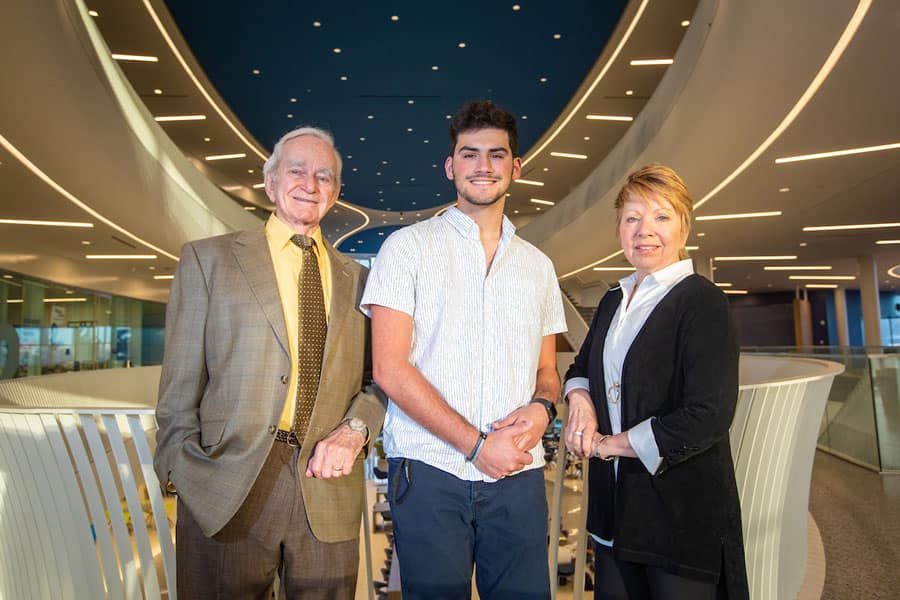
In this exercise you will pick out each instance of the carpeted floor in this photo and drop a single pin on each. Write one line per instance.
(858, 514)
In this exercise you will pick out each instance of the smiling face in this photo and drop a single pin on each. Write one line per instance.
(482, 166)
(651, 233)
(304, 185)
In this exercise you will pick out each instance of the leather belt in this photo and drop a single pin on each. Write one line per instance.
(287, 437)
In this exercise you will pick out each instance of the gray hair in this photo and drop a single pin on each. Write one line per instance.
(271, 165)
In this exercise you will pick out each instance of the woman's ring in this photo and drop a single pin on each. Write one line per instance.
(579, 433)
(338, 468)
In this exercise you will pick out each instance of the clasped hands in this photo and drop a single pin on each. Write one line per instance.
(582, 438)
(507, 449)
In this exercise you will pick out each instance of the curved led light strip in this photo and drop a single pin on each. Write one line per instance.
(894, 272)
(593, 264)
(596, 82)
(71, 198)
(187, 69)
(846, 37)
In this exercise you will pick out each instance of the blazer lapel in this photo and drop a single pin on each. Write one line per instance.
(342, 298)
(252, 253)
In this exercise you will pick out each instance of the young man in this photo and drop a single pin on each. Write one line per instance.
(464, 320)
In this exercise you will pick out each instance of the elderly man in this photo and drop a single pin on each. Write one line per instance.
(263, 414)
(464, 322)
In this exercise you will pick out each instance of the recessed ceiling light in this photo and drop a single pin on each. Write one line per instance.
(317, 24)
(378, 173)
(770, 257)
(736, 292)
(120, 256)
(692, 248)
(685, 23)
(539, 201)
(410, 101)
(173, 118)
(701, 234)
(622, 118)
(255, 71)
(85, 243)
(516, 7)
(529, 182)
(135, 58)
(723, 284)
(629, 92)
(45, 223)
(823, 277)
(337, 50)
(343, 78)
(798, 268)
(250, 171)
(784, 189)
(434, 67)
(434, 166)
(157, 91)
(355, 169)
(258, 186)
(384, 162)
(651, 62)
(614, 268)
(822, 286)
(461, 44)
(525, 117)
(370, 117)
(163, 277)
(447, 116)
(249, 208)
(409, 129)
(847, 227)
(349, 156)
(546, 169)
(753, 215)
(802, 244)
(790, 159)
(886, 242)
(425, 141)
(362, 139)
(293, 99)
(556, 36)
(537, 208)
(206, 139)
(395, 18)
(93, 13)
(226, 156)
(543, 80)
(568, 155)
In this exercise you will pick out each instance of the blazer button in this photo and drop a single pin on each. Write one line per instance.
(272, 429)
(284, 379)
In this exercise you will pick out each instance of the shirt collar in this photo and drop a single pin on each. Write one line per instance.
(468, 228)
(666, 277)
(278, 231)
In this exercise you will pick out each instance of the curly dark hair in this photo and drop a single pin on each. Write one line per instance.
(483, 114)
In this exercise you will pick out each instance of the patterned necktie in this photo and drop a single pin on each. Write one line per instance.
(311, 329)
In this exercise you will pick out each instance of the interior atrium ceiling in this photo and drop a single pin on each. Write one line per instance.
(740, 85)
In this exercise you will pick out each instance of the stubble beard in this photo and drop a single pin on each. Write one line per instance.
(460, 190)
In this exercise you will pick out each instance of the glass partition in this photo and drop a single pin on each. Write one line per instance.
(862, 417)
(47, 327)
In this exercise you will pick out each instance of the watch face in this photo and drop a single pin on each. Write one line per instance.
(357, 424)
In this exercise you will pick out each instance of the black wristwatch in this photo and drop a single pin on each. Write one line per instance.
(548, 406)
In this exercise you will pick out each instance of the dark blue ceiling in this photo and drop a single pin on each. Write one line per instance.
(389, 73)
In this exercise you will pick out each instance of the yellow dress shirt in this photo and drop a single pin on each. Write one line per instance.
(286, 260)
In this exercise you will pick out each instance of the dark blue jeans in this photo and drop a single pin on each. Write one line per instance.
(444, 525)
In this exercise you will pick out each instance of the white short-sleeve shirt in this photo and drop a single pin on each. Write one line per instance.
(477, 333)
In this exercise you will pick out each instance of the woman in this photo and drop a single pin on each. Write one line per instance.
(651, 396)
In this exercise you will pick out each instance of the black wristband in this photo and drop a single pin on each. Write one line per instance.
(474, 453)
(548, 406)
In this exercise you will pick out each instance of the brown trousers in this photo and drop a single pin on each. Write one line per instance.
(269, 535)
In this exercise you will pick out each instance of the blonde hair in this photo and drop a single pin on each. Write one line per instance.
(653, 182)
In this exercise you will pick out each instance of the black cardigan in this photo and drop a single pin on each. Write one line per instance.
(682, 369)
